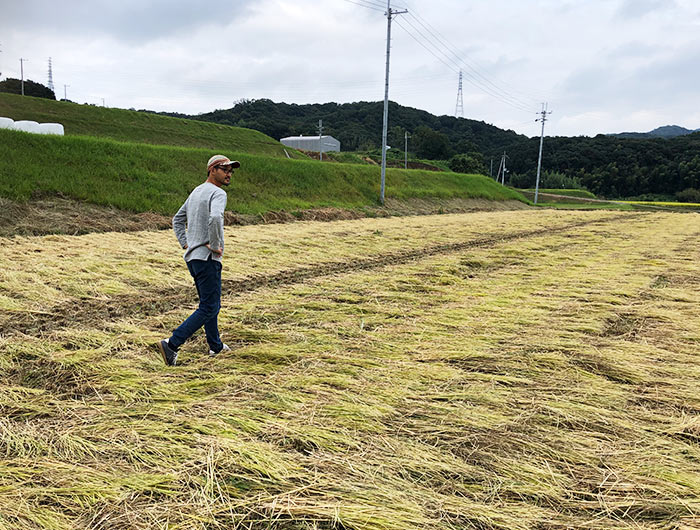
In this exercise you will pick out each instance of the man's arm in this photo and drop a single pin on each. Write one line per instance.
(216, 223)
(180, 225)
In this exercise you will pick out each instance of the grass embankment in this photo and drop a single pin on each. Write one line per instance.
(665, 204)
(140, 177)
(142, 127)
(548, 381)
(562, 198)
(585, 194)
(602, 205)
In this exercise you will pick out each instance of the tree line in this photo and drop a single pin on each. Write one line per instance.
(609, 166)
(614, 167)
(358, 126)
(31, 88)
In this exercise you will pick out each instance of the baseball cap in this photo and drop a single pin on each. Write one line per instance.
(221, 160)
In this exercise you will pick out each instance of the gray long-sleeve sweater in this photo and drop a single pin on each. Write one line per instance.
(200, 222)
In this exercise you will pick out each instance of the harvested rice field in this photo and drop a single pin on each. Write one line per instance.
(496, 370)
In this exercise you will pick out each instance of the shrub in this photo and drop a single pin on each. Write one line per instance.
(472, 162)
(688, 195)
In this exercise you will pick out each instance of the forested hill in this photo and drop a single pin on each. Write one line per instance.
(607, 165)
(358, 126)
(614, 167)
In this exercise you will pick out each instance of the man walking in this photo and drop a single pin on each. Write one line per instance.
(199, 228)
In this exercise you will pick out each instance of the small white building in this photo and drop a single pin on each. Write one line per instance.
(317, 144)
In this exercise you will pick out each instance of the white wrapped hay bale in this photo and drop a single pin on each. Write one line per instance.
(51, 128)
(7, 123)
(27, 126)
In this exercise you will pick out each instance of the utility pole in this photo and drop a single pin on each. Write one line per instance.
(406, 136)
(459, 108)
(21, 69)
(543, 119)
(320, 140)
(491, 170)
(103, 102)
(65, 95)
(502, 170)
(389, 13)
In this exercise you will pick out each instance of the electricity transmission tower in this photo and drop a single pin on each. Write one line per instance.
(459, 108)
(389, 14)
(50, 76)
(543, 119)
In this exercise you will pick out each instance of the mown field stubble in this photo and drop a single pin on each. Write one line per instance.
(507, 370)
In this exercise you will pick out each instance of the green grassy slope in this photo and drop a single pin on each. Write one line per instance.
(140, 177)
(132, 126)
(585, 194)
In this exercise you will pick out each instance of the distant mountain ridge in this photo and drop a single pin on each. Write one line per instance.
(666, 131)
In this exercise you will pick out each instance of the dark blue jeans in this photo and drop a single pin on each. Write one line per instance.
(207, 278)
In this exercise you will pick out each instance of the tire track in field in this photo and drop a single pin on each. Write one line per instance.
(84, 311)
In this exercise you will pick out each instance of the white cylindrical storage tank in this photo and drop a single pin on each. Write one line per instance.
(51, 128)
(27, 126)
(7, 123)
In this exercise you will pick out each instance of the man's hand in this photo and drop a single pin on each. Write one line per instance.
(218, 251)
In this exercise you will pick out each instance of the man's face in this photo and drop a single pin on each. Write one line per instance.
(222, 175)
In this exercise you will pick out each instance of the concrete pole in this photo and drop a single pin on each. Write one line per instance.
(389, 14)
(21, 69)
(543, 119)
(405, 149)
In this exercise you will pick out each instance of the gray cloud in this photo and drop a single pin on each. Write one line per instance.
(662, 82)
(631, 9)
(135, 21)
(592, 61)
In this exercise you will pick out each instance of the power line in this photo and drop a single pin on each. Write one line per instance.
(452, 49)
(363, 5)
(476, 78)
(445, 42)
(456, 66)
(380, 5)
(428, 49)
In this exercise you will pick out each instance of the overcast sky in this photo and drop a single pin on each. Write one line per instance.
(601, 65)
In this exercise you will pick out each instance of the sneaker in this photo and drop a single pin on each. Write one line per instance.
(169, 355)
(215, 353)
